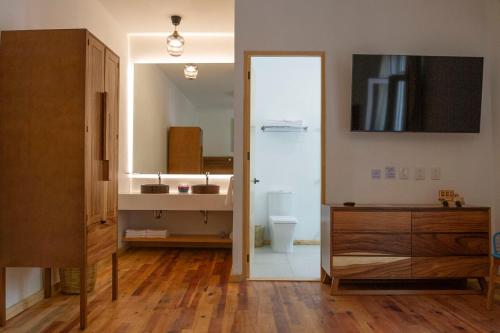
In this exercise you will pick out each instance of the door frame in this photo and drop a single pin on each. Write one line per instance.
(248, 55)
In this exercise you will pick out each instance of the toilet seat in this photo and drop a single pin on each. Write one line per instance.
(283, 219)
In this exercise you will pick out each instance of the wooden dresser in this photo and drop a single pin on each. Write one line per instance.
(404, 243)
(58, 153)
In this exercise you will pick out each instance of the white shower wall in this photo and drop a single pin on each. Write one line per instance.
(287, 88)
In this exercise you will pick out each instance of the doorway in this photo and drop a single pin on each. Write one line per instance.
(283, 169)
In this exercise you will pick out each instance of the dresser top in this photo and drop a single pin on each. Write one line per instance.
(403, 207)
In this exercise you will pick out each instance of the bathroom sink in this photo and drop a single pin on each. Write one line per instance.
(154, 188)
(205, 189)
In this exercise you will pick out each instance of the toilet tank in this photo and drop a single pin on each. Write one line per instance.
(279, 203)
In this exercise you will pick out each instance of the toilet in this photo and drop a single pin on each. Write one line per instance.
(281, 222)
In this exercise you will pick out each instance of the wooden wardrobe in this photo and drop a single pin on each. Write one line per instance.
(58, 154)
(185, 150)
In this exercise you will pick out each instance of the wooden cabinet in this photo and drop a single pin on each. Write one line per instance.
(59, 153)
(185, 150)
(408, 243)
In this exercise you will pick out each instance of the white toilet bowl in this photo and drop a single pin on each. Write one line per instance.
(282, 233)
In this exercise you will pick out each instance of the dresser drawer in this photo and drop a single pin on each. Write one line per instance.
(450, 244)
(371, 267)
(371, 222)
(101, 240)
(450, 267)
(371, 244)
(454, 221)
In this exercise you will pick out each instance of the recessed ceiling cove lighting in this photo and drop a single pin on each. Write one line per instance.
(190, 71)
(175, 42)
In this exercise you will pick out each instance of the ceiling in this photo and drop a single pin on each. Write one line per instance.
(212, 89)
(138, 16)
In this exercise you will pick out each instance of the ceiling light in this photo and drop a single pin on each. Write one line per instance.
(175, 42)
(190, 71)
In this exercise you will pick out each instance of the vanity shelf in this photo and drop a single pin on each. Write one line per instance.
(283, 128)
(182, 241)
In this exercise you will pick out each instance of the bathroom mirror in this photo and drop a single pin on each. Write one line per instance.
(181, 125)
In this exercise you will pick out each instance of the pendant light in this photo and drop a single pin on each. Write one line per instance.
(190, 71)
(175, 42)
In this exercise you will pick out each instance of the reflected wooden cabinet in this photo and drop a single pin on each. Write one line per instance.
(185, 150)
(59, 152)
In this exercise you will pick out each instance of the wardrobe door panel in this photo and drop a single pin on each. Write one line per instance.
(96, 99)
(112, 78)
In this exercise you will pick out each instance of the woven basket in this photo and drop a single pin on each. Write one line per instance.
(70, 280)
(259, 236)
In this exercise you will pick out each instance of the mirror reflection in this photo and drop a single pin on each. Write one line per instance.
(183, 125)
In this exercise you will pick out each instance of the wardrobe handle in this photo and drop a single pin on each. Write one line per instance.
(105, 126)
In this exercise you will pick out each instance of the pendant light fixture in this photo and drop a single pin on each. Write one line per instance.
(190, 71)
(175, 42)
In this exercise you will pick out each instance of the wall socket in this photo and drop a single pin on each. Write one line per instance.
(376, 173)
(404, 173)
(419, 173)
(435, 173)
(390, 172)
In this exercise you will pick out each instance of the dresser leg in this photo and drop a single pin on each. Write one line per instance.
(335, 286)
(325, 278)
(491, 285)
(3, 310)
(83, 297)
(114, 280)
(483, 284)
(47, 282)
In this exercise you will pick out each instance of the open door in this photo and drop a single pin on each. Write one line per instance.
(284, 135)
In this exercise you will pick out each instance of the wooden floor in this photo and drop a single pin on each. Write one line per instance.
(170, 290)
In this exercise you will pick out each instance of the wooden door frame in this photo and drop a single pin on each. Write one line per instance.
(246, 137)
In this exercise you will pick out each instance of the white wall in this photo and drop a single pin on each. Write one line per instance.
(341, 28)
(158, 104)
(217, 131)
(151, 119)
(52, 14)
(290, 89)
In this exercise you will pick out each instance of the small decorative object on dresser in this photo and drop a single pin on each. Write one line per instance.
(447, 197)
(417, 246)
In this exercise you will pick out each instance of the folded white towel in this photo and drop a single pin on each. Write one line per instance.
(284, 122)
(163, 233)
(135, 233)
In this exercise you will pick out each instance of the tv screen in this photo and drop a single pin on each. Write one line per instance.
(399, 93)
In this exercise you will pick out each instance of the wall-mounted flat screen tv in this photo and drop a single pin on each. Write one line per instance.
(400, 93)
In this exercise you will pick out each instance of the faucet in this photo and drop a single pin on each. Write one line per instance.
(159, 178)
(206, 177)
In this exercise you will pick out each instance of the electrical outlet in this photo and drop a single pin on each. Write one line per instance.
(390, 172)
(404, 173)
(436, 173)
(419, 173)
(376, 173)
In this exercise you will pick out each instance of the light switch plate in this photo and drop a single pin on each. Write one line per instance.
(376, 173)
(390, 172)
(404, 173)
(436, 173)
(419, 173)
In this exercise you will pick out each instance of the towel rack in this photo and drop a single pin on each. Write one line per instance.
(284, 128)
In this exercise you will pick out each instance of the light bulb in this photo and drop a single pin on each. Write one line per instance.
(190, 71)
(175, 44)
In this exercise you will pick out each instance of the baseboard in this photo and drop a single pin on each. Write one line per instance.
(28, 302)
(298, 242)
(236, 278)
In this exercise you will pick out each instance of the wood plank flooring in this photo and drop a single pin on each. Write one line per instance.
(172, 290)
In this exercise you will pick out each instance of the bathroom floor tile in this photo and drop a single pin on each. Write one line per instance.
(299, 264)
(272, 270)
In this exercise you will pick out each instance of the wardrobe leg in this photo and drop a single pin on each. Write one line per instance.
(47, 282)
(3, 310)
(83, 297)
(114, 280)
